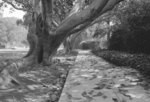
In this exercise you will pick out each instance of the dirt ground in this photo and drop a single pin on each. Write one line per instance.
(41, 84)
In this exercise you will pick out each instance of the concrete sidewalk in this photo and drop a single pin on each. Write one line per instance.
(94, 80)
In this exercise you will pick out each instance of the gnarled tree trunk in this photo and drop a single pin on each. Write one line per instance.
(79, 18)
(46, 42)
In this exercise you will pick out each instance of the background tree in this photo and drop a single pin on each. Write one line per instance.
(10, 33)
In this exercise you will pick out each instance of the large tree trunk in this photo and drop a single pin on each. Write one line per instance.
(48, 42)
(32, 39)
(45, 43)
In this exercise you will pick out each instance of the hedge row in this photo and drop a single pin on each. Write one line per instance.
(140, 62)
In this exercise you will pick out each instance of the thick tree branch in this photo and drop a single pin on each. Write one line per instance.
(97, 8)
(55, 23)
(79, 4)
(110, 5)
(21, 2)
(47, 11)
(80, 28)
(14, 6)
(88, 14)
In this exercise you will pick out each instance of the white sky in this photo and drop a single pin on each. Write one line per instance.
(16, 13)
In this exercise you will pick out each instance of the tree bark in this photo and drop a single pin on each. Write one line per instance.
(44, 43)
(32, 39)
(67, 45)
(80, 19)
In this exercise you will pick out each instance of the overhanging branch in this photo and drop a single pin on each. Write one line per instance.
(79, 28)
(90, 21)
(88, 14)
(14, 6)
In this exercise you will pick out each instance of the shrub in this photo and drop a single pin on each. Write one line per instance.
(134, 36)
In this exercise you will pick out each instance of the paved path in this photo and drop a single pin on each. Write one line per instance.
(94, 80)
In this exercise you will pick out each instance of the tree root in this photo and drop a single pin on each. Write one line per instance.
(10, 71)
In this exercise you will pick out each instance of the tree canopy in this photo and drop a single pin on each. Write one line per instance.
(10, 33)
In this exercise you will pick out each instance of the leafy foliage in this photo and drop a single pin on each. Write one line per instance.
(10, 33)
(138, 61)
(133, 36)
